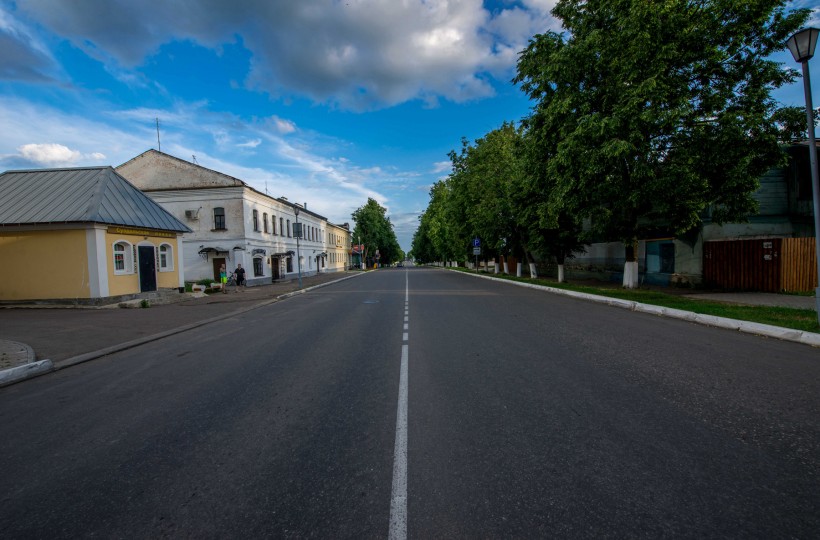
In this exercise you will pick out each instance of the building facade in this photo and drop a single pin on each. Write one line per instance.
(83, 235)
(231, 223)
(784, 211)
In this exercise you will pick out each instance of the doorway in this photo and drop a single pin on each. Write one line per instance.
(218, 262)
(275, 268)
(147, 268)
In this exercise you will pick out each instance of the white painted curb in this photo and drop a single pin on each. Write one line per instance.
(18, 373)
(786, 334)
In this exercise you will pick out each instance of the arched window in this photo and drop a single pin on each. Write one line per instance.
(123, 258)
(166, 258)
(219, 219)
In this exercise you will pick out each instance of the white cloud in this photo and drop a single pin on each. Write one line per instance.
(250, 144)
(354, 54)
(442, 166)
(50, 155)
(283, 126)
(22, 55)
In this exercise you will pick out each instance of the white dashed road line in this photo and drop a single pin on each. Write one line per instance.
(398, 499)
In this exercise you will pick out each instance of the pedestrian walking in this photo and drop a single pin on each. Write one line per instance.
(240, 276)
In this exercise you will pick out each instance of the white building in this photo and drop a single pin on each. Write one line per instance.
(233, 223)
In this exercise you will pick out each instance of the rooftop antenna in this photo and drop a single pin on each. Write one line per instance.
(159, 146)
(193, 157)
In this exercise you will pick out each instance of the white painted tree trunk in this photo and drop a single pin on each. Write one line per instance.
(506, 267)
(560, 273)
(496, 267)
(518, 269)
(631, 275)
(533, 272)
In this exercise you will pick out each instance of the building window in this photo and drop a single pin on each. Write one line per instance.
(288, 228)
(290, 264)
(273, 223)
(219, 219)
(166, 258)
(256, 220)
(123, 258)
(282, 226)
(265, 221)
(257, 267)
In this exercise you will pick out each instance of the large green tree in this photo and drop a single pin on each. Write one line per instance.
(374, 230)
(652, 113)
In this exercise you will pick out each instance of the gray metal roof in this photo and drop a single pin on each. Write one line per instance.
(82, 195)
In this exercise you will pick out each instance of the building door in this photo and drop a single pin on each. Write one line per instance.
(218, 262)
(274, 266)
(147, 268)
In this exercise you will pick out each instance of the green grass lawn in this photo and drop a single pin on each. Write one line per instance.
(798, 319)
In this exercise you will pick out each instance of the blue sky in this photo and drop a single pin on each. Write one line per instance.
(327, 102)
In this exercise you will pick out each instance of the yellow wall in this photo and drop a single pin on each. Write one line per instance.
(129, 283)
(43, 264)
(54, 264)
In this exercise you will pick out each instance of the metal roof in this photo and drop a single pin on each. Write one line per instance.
(81, 195)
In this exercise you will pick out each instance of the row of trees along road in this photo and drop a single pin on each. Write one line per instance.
(374, 230)
(646, 116)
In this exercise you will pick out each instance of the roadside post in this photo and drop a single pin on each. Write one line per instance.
(476, 251)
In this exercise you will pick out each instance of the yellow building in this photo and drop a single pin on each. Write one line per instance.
(83, 235)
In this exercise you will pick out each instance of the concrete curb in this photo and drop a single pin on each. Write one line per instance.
(27, 372)
(786, 334)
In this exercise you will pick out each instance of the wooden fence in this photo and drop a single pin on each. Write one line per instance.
(767, 265)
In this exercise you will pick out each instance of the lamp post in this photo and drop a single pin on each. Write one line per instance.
(298, 234)
(802, 45)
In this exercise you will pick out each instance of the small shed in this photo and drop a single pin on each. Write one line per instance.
(84, 235)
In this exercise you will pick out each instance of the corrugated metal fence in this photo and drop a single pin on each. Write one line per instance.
(767, 265)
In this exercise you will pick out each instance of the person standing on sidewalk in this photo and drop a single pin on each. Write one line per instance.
(240, 276)
(223, 278)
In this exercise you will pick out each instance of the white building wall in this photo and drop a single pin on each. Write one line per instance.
(191, 193)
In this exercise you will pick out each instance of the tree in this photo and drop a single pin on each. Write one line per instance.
(791, 123)
(374, 230)
(653, 113)
(481, 184)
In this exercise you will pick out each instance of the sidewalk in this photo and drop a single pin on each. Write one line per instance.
(66, 335)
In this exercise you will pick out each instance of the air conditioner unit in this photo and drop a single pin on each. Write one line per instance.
(191, 214)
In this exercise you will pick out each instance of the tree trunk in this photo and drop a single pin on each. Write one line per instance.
(531, 261)
(506, 266)
(518, 269)
(495, 265)
(560, 259)
(631, 265)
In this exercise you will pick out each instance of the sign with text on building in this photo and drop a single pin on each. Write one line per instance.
(140, 232)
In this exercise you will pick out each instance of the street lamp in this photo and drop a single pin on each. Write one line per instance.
(802, 45)
(298, 234)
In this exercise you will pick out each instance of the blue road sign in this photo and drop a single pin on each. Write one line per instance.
(476, 242)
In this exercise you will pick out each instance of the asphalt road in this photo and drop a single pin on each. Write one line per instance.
(528, 415)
